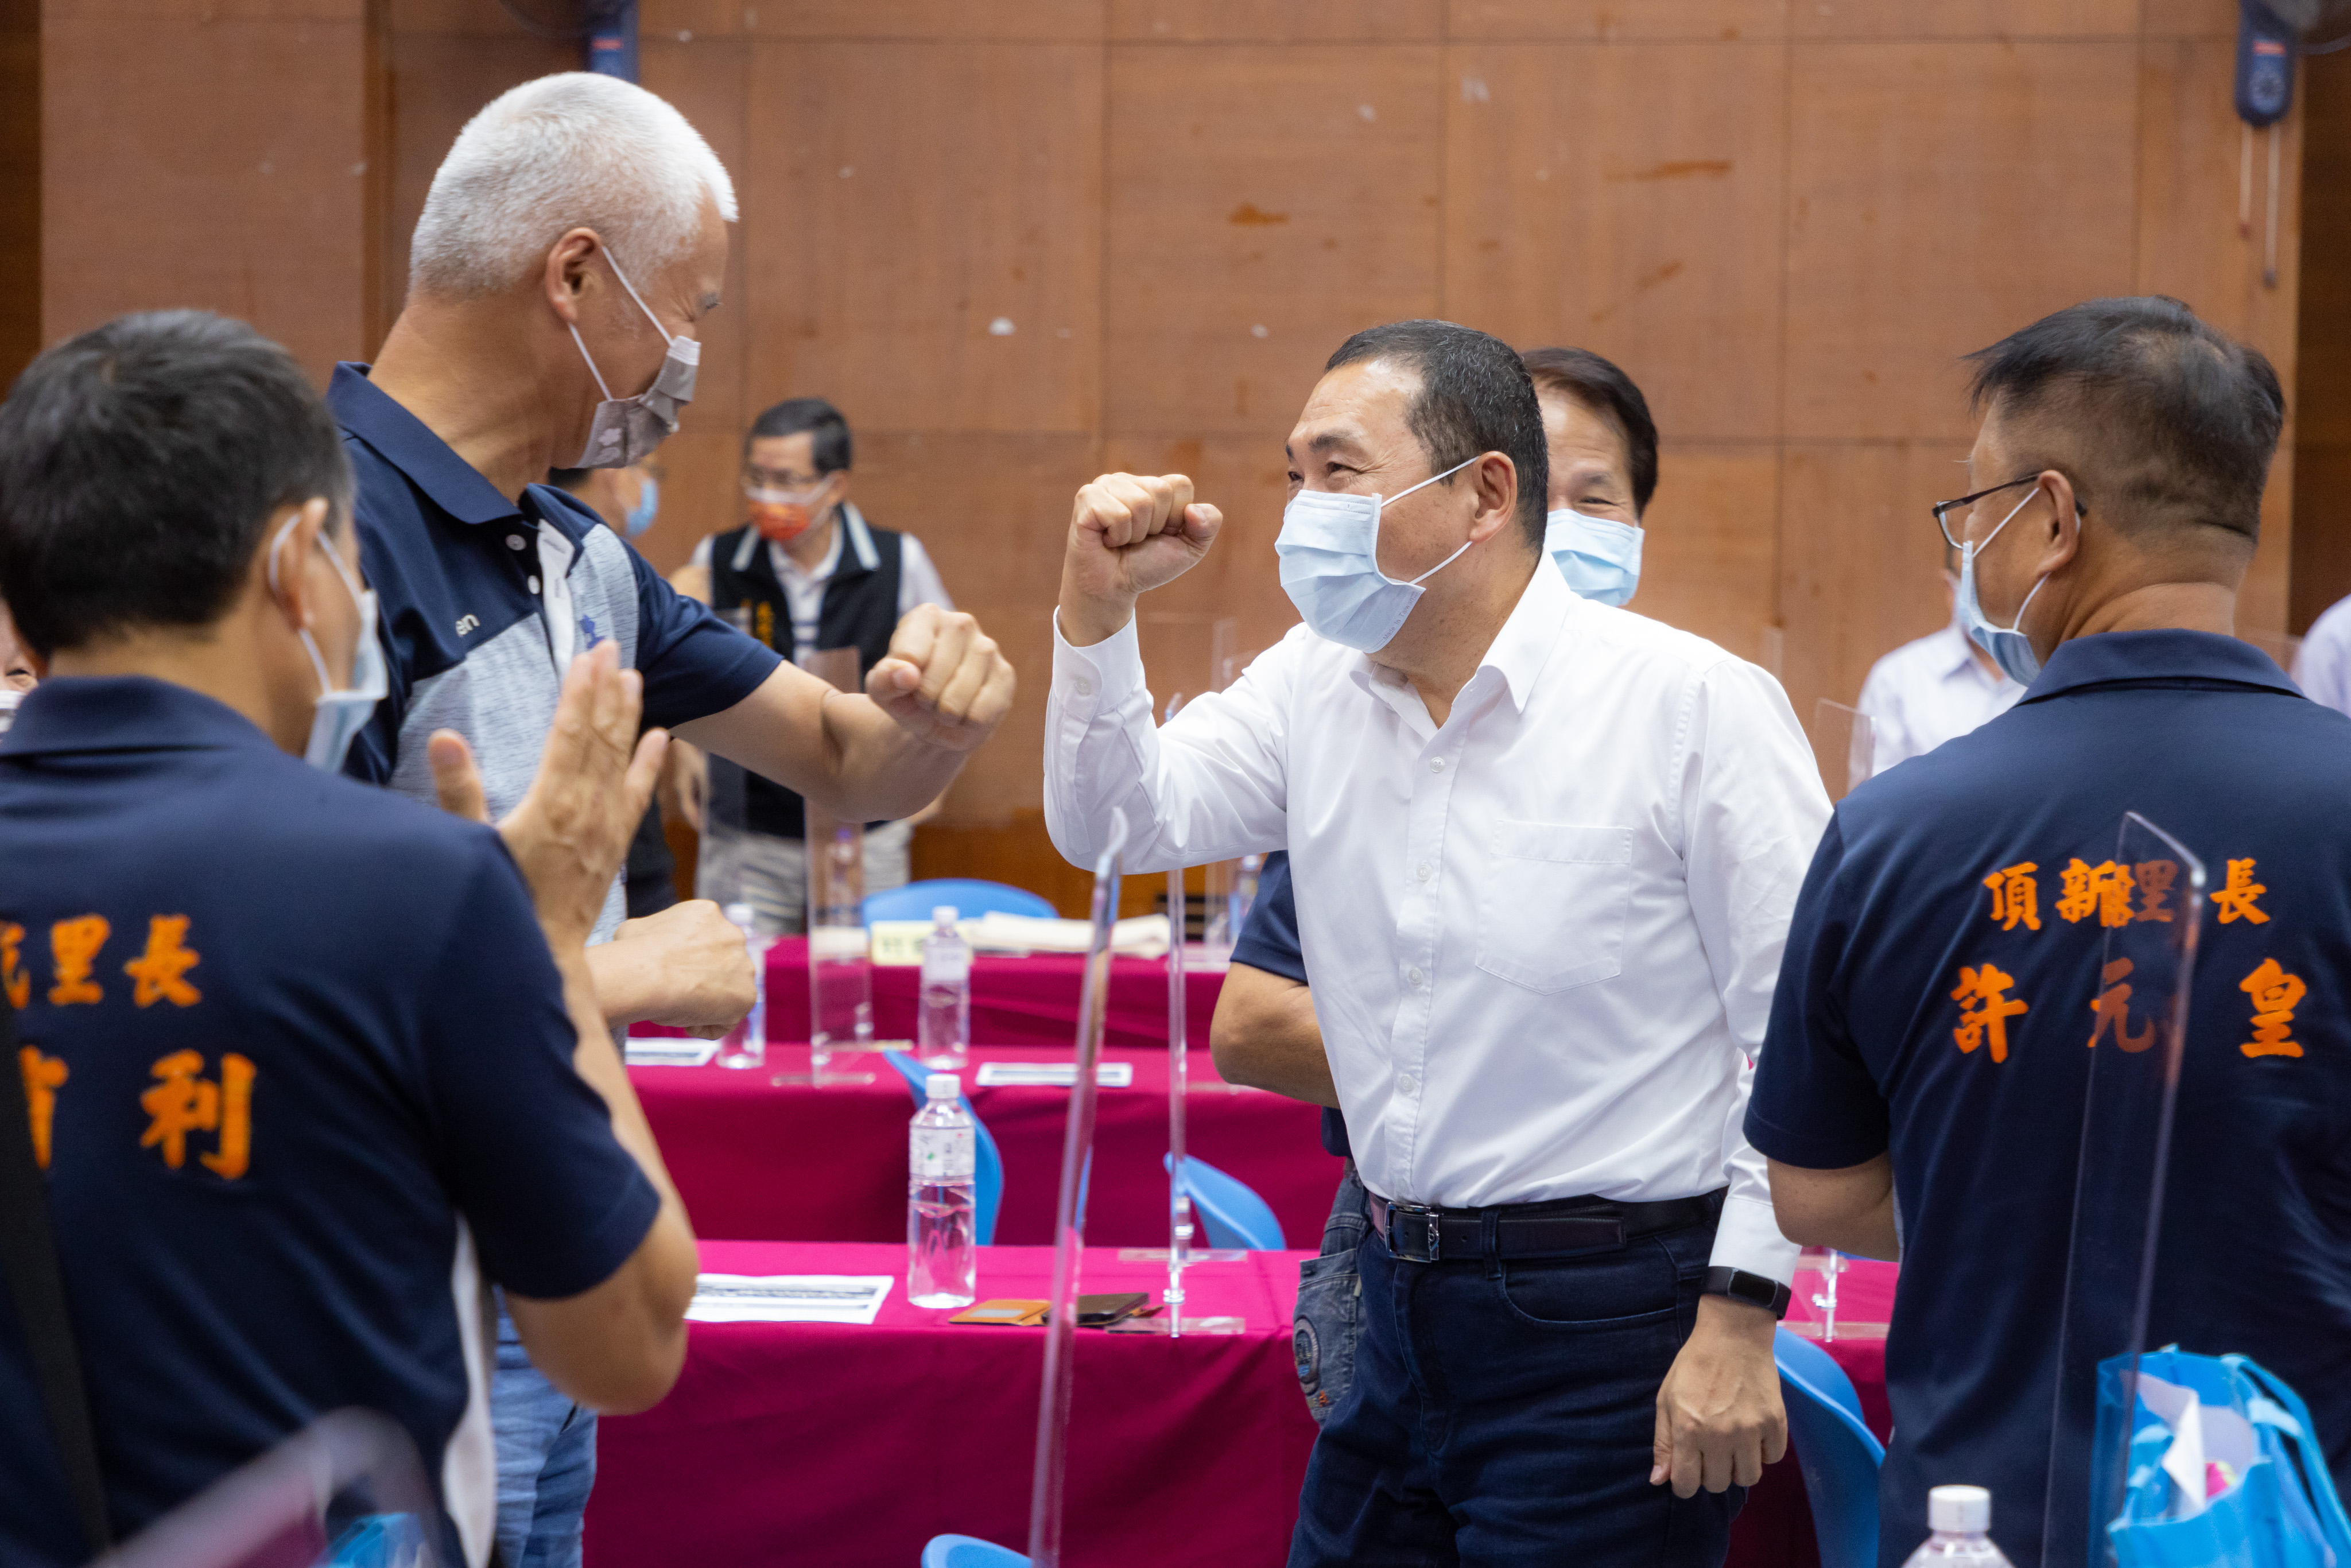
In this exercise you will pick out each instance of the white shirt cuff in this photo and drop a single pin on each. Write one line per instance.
(1089, 680)
(1749, 1237)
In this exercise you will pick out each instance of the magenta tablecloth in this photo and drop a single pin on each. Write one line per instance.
(759, 1161)
(1014, 1001)
(848, 1446)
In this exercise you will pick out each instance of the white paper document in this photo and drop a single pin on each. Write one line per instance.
(668, 1051)
(787, 1298)
(1138, 937)
(1053, 1075)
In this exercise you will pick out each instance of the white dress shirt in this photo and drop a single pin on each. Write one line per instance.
(1542, 937)
(2323, 668)
(919, 579)
(1928, 692)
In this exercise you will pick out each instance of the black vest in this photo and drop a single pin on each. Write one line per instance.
(860, 611)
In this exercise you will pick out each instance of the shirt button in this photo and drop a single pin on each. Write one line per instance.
(1436, 765)
(514, 541)
(1083, 687)
(534, 585)
(1414, 975)
(1423, 871)
(1408, 1085)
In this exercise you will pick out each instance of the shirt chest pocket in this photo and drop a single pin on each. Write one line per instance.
(1552, 913)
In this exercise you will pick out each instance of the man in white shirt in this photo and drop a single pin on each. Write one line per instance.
(2323, 667)
(1545, 853)
(825, 578)
(1927, 691)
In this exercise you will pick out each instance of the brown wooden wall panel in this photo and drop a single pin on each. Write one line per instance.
(2181, 18)
(923, 236)
(20, 185)
(1942, 196)
(1318, 22)
(1860, 558)
(1046, 21)
(2322, 398)
(1964, 18)
(1710, 551)
(1246, 478)
(257, 197)
(708, 80)
(1620, 20)
(1263, 205)
(1627, 199)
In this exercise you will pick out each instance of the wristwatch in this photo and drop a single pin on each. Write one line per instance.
(1753, 1288)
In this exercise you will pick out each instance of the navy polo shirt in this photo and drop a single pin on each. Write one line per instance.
(461, 573)
(301, 1070)
(1992, 851)
(1268, 941)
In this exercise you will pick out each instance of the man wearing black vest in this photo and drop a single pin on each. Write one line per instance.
(805, 572)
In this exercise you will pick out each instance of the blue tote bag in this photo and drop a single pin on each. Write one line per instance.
(2222, 1468)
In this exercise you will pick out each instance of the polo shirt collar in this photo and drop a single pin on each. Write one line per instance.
(408, 444)
(125, 713)
(2167, 655)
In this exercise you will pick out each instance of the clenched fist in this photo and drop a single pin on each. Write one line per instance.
(944, 679)
(1128, 535)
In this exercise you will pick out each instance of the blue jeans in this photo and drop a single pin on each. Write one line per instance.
(1330, 1303)
(546, 1460)
(1503, 1412)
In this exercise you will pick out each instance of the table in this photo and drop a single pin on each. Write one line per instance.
(755, 1161)
(825, 1443)
(1014, 1001)
(852, 1445)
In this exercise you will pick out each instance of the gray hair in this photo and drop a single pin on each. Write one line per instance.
(565, 151)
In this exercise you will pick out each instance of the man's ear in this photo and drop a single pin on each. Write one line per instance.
(289, 550)
(1496, 479)
(2064, 536)
(564, 274)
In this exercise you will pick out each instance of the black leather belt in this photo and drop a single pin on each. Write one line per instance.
(1416, 1233)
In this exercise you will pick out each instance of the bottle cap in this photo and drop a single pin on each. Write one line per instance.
(741, 915)
(943, 1086)
(1964, 1509)
(945, 913)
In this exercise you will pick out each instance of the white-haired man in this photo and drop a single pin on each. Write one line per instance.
(571, 243)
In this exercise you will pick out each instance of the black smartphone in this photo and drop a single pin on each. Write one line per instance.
(1100, 1312)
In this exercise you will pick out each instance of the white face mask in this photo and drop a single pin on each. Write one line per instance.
(1330, 553)
(2010, 648)
(339, 715)
(627, 429)
(1600, 557)
(9, 697)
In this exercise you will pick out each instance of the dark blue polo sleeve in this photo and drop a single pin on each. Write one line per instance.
(694, 664)
(1816, 1104)
(555, 1204)
(1268, 938)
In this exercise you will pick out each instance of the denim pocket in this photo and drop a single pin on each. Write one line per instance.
(1627, 1289)
(1323, 1338)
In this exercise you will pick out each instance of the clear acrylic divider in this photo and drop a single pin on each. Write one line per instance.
(2282, 648)
(347, 1489)
(1226, 887)
(2150, 899)
(840, 969)
(1179, 1194)
(719, 875)
(1045, 1491)
(1844, 745)
(1772, 651)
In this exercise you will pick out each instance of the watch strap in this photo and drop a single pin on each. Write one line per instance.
(1757, 1289)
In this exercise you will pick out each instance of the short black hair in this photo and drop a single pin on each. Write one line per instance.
(2163, 421)
(138, 465)
(834, 450)
(1474, 397)
(1600, 386)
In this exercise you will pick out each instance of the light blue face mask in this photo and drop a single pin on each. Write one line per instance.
(1600, 557)
(641, 516)
(341, 715)
(1328, 549)
(2010, 648)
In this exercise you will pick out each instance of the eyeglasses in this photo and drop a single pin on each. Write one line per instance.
(778, 479)
(1944, 508)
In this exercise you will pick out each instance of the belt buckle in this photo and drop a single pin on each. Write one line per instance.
(1415, 1233)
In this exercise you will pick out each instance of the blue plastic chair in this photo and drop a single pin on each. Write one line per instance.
(1231, 1211)
(969, 1551)
(970, 896)
(989, 1177)
(1836, 1450)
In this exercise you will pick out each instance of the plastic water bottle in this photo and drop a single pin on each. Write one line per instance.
(745, 1045)
(1959, 1516)
(944, 1036)
(942, 1254)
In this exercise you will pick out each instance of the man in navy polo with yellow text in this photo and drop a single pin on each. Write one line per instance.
(1923, 1084)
